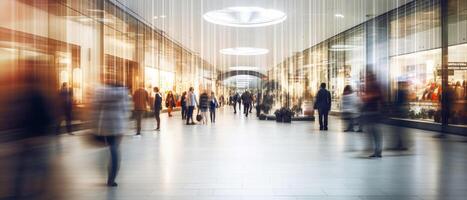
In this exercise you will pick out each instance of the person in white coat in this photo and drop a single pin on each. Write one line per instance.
(350, 108)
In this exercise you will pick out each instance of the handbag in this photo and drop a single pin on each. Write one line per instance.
(198, 117)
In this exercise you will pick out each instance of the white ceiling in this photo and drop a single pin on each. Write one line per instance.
(308, 23)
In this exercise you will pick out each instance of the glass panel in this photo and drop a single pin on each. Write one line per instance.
(337, 49)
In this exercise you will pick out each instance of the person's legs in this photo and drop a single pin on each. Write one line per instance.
(235, 107)
(183, 112)
(377, 140)
(158, 119)
(204, 117)
(187, 117)
(211, 115)
(138, 116)
(320, 120)
(325, 120)
(245, 109)
(113, 142)
(68, 118)
(188, 114)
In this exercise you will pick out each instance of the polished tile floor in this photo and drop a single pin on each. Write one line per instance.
(244, 158)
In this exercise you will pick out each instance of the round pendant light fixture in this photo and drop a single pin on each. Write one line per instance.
(244, 51)
(245, 17)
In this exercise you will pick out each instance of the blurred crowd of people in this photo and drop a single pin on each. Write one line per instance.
(33, 116)
(247, 99)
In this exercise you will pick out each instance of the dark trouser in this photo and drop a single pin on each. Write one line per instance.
(235, 107)
(189, 114)
(376, 138)
(67, 117)
(251, 107)
(157, 114)
(323, 118)
(212, 114)
(138, 116)
(246, 108)
(114, 166)
(184, 111)
(371, 126)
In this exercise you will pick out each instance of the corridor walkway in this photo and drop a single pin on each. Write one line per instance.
(239, 158)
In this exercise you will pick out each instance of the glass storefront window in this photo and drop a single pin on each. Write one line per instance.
(457, 81)
(422, 72)
(337, 69)
(457, 61)
(354, 69)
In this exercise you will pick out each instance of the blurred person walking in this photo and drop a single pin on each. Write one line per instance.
(33, 117)
(203, 107)
(233, 102)
(401, 109)
(157, 108)
(252, 101)
(213, 104)
(239, 101)
(246, 99)
(221, 101)
(323, 104)
(112, 104)
(140, 103)
(191, 103)
(170, 103)
(351, 104)
(183, 105)
(372, 100)
(66, 108)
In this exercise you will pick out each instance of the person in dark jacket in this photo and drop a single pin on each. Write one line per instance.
(213, 104)
(323, 104)
(183, 104)
(157, 107)
(246, 99)
(203, 106)
(233, 102)
(66, 105)
(239, 101)
(372, 102)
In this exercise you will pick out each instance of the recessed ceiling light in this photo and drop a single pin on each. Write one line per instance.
(240, 68)
(163, 16)
(244, 51)
(339, 15)
(245, 17)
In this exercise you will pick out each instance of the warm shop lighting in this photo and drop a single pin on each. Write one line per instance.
(245, 17)
(244, 51)
(240, 68)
